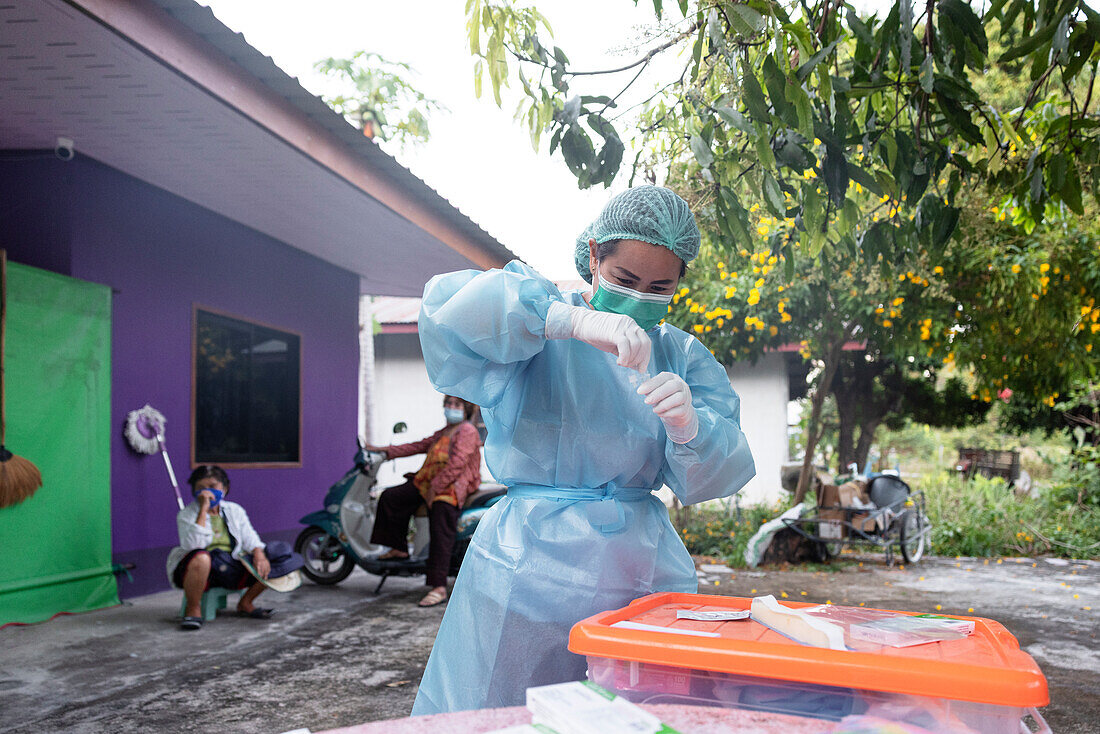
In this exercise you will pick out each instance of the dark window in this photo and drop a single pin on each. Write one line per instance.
(247, 392)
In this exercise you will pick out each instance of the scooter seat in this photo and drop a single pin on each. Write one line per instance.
(481, 497)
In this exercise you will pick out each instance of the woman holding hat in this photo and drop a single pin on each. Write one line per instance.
(591, 404)
(216, 538)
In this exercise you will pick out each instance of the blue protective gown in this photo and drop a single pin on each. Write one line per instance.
(579, 531)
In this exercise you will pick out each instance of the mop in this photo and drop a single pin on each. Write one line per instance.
(145, 434)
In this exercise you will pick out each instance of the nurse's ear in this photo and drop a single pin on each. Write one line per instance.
(593, 262)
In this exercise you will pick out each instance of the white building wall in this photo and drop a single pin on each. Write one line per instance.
(764, 390)
(403, 393)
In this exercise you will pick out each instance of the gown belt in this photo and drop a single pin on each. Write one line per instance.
(602, 505)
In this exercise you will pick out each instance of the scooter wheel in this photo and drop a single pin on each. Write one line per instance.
(326, 561)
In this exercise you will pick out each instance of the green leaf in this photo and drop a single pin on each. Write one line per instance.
(745, 20)
(764, 151)
(773, 197)
(701, 151)
(864, 179)
(927, 74)
(658, 8)
(1071, 193)
(905, 33)
(797, 96)
(736, 119)
(1092, 23)
(961, 16)
(753, 94)
(776, 82)
(836, 175)
(960, 120)
(805, 70)
(947, 219)
(1035, 42)
(860, 29)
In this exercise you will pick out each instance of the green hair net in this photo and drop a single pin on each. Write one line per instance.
(651, 214)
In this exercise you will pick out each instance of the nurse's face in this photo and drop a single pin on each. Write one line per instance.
(638, 265)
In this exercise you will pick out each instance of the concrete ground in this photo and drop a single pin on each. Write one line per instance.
(335, 656)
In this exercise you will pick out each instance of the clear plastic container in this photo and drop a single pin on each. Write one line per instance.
(984, 684)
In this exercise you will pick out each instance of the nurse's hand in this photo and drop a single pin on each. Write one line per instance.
(670, 397)
(611, 332)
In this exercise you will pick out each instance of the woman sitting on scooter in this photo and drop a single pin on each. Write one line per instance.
(451, 471)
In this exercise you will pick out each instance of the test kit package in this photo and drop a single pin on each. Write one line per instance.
(585, 708)
(972, 678)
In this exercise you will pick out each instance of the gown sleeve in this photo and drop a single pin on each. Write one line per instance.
(479, 329)
(717, 462)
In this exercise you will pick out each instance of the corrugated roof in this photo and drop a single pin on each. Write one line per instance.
(202, 21)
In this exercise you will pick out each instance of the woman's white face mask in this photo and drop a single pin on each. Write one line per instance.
(454, 415)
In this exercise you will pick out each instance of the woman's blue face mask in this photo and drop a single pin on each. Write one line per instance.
(647, 309)
(218, 495)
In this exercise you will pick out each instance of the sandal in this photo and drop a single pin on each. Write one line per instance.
(256, 613)
(191, 623)
(393, 555)
(432, 598)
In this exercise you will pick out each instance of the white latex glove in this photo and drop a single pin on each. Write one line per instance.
(611, 332)
(670, 397)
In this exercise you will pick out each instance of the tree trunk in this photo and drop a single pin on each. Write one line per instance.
(846, 427)
(814, 430)
(866, 438)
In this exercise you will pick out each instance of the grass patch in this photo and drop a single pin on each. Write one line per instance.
(981, 517)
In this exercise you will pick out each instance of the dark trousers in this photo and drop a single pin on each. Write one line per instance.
(391, 527)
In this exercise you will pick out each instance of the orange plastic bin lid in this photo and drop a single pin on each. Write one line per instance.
(988, 666)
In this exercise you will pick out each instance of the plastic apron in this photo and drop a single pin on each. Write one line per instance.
(579, 531)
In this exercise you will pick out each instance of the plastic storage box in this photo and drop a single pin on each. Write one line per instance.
(983, 683)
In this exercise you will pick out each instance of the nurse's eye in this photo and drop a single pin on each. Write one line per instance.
(626, 282)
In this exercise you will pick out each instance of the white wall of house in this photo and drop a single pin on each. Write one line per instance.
(764, 390)
(402, 392)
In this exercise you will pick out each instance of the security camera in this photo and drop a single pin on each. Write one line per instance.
(64, 149)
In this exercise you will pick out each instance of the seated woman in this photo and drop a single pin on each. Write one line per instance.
(214, 534)
(451, 471)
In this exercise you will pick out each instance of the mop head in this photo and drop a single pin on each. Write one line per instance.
(142, 427)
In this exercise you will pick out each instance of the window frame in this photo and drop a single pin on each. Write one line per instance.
(195, 308)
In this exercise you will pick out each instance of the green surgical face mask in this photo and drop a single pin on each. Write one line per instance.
(645, 308)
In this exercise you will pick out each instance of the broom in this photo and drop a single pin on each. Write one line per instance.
(19, 478)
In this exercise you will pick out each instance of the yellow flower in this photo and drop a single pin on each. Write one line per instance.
(754, 297)
(879, 310)
(698, 328)
(773, 330)
(730, 290)
(1044, 267)
(897, 301)
(938, 270)
(1016, 268)
(887, 323)
(762, 229)
(787, 317)
(759, 283)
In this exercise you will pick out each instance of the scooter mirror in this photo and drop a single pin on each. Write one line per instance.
(400, 427)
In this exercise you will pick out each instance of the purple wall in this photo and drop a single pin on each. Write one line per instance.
(162, 254)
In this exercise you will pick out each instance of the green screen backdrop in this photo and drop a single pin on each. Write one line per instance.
(55, 548)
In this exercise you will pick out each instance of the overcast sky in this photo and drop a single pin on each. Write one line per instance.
(478, 157)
